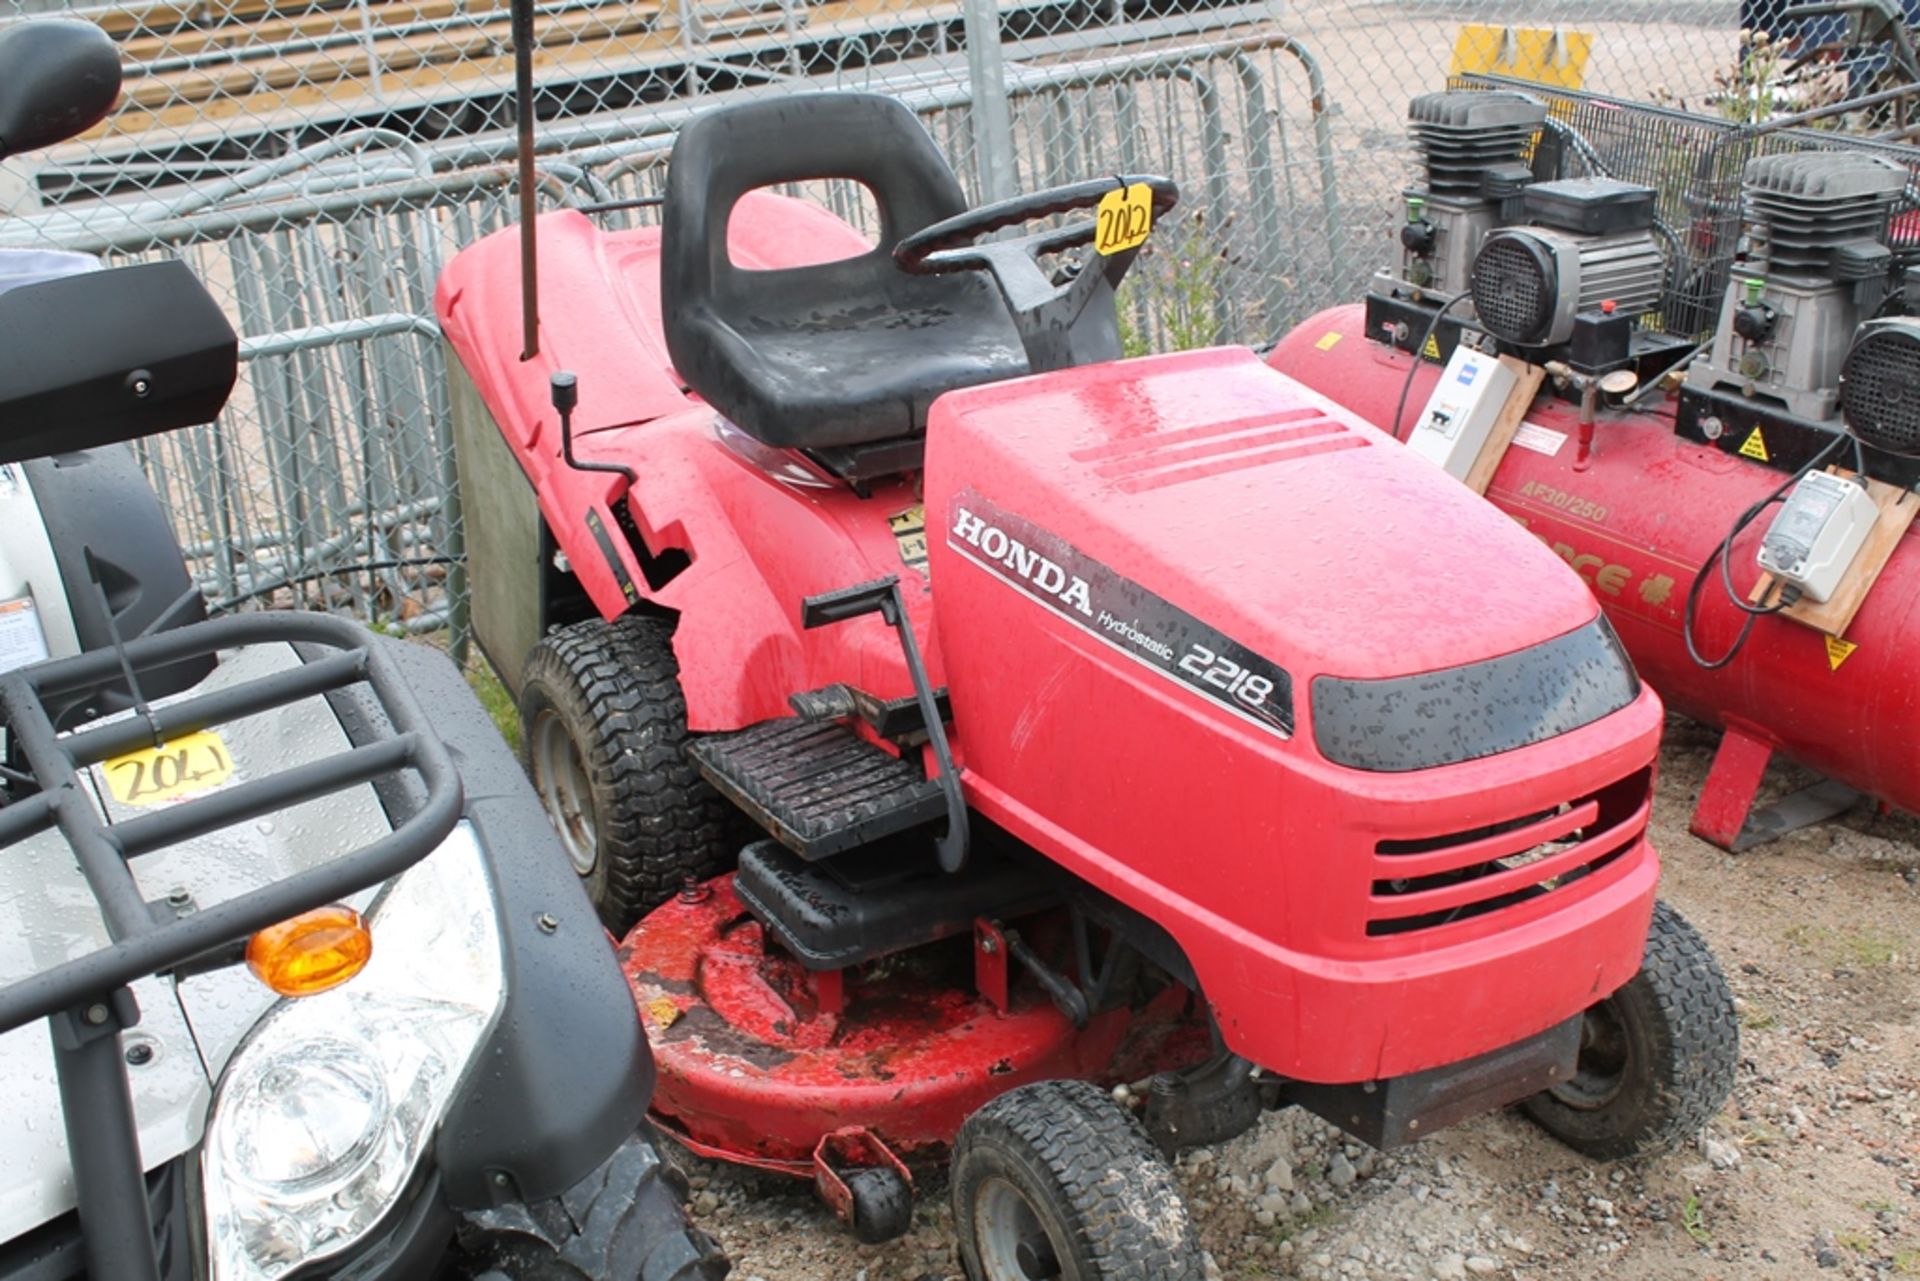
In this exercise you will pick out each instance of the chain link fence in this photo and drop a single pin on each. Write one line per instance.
(316, 161)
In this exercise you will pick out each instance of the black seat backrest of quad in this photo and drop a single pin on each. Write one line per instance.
(836, 355)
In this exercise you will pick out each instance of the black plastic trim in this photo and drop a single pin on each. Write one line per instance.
(1479, 709)
(54, 1251)
(108, 356)
(1789, 441)
(97, 503)
(1392, 1113)
(566, 1074)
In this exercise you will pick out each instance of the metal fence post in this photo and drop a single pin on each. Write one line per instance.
(992, 118)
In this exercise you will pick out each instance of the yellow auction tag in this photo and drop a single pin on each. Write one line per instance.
(1125, 217)
(197, 762)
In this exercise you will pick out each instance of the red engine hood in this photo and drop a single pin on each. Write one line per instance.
(1265, 509)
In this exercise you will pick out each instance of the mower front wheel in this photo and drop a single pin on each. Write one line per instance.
(1053, 1180)
(1657, 1058)
(604, 726)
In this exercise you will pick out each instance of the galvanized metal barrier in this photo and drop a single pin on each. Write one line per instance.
(328, 483)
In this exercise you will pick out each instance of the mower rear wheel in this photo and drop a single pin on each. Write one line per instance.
(1053, 1180)
(1657, 1058)
(604, 727)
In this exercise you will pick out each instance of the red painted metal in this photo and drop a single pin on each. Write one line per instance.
(990, 976)
(763, 527)
(830, 991)
(1208, 480)
(753, 1070)
(1636, 526)
(1733, 781)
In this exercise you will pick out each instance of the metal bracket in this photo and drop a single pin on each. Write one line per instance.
(843, 1151)
(882, 596)
(103, 1137)
(1725, 813)
(990, 971)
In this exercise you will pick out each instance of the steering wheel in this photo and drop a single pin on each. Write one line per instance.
(1043, 310)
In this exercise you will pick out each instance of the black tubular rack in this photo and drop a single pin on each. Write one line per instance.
(86, 1000)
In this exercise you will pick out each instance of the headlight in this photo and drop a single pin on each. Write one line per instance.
(322, 1115)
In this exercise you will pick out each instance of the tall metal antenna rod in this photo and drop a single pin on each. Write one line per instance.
(523, 109)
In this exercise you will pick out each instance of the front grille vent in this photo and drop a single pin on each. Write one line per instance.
(1429, 882)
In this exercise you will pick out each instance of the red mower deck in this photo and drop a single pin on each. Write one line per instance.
(759, 1059)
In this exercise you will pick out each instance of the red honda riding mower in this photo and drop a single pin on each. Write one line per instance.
(1106, 720)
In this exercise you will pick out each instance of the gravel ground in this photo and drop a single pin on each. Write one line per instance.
(1811, 1171)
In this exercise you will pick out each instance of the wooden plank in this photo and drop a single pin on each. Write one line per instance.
(161, 16)
(264, 111)
(189, 42)
(394, 54)
(1834, 615)
(1519, 400)
(134, 18)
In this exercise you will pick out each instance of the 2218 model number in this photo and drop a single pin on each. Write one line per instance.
(1225, 674)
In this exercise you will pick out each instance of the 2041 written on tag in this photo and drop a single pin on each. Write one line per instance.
(197, 762)
(1124, 217)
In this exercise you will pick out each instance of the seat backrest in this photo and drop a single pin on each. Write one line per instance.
(722, 155)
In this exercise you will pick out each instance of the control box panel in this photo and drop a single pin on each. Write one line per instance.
(1459, 415)
(1818, 533)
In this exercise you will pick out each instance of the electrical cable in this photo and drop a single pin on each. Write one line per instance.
(1433, 326)
(1723, 552)
(215, 608)
(1578, 141)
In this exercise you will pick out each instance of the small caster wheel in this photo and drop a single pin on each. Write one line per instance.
(1657, 1058)
(882, 1204)
(1052, 1180)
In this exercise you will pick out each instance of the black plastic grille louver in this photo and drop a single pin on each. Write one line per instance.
(1513, 284)
(1880, 386)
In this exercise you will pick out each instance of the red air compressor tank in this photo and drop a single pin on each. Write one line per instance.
(1636, 522)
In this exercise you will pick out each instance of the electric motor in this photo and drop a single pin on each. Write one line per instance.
(1880, 385)
(1585, 241)
(1530, 282)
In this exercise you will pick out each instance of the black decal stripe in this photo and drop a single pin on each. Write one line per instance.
(607, 549)
(1130, 619)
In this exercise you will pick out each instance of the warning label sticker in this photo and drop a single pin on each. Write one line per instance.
(910, 534)
(1755, 447)
(1839, 651)
(1541, 440)
(1329, 340)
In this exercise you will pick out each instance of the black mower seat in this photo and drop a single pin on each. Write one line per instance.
(841, 353)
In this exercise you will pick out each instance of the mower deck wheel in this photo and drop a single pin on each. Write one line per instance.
(882, 1205)
(604, 727)
(1053, 1180)
(1657, 1058)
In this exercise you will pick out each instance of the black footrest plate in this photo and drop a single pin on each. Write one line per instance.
(817, 787)
(830, 919)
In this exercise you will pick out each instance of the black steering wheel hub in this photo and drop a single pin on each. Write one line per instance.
(1047, 312)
